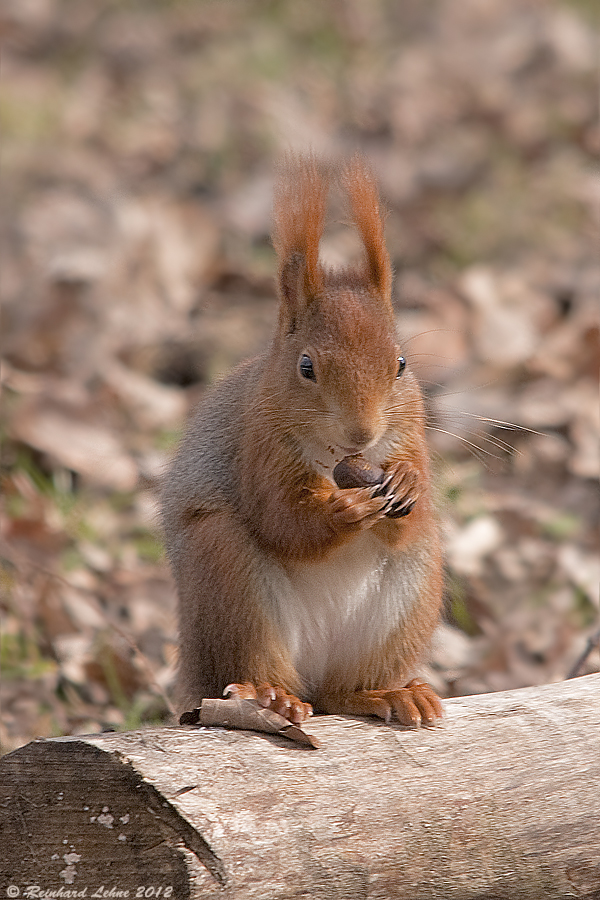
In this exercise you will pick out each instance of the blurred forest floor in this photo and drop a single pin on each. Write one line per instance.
(139, 141)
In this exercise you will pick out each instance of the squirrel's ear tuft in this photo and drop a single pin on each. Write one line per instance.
(298, 216)
(368, 216)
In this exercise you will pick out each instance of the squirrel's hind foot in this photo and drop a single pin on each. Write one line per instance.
(413, 705)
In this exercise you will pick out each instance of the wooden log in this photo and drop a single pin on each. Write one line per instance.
(501, 801)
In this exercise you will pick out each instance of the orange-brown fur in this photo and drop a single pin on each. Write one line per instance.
(249, 504)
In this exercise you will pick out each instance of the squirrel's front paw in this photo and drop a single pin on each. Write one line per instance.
(356, 508)
(400, 489)
(274, 698)
(413, 705)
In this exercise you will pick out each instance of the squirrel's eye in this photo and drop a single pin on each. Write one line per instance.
(306, 367)
(401, 366)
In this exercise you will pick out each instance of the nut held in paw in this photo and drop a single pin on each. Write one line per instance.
(356, 472)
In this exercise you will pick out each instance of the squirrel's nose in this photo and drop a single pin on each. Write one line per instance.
(359, 438)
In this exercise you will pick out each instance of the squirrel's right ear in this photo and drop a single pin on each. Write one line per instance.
(293, 288)
(299, 202)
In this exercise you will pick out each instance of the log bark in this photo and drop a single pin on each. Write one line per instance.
(501, 801)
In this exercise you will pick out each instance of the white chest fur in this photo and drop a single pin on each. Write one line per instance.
(332, 613)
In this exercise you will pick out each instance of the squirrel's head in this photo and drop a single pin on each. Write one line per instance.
(338, 364)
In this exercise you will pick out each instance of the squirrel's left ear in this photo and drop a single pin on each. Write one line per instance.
(368, 215)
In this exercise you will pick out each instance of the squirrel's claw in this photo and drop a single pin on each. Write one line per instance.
(400, 490)
(401, 507)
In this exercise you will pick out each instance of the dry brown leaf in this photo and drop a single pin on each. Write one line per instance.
(152, 404)
(84, 447)
(504, 325)
(246, 715)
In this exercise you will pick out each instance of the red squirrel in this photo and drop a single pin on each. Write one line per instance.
(292, 590)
